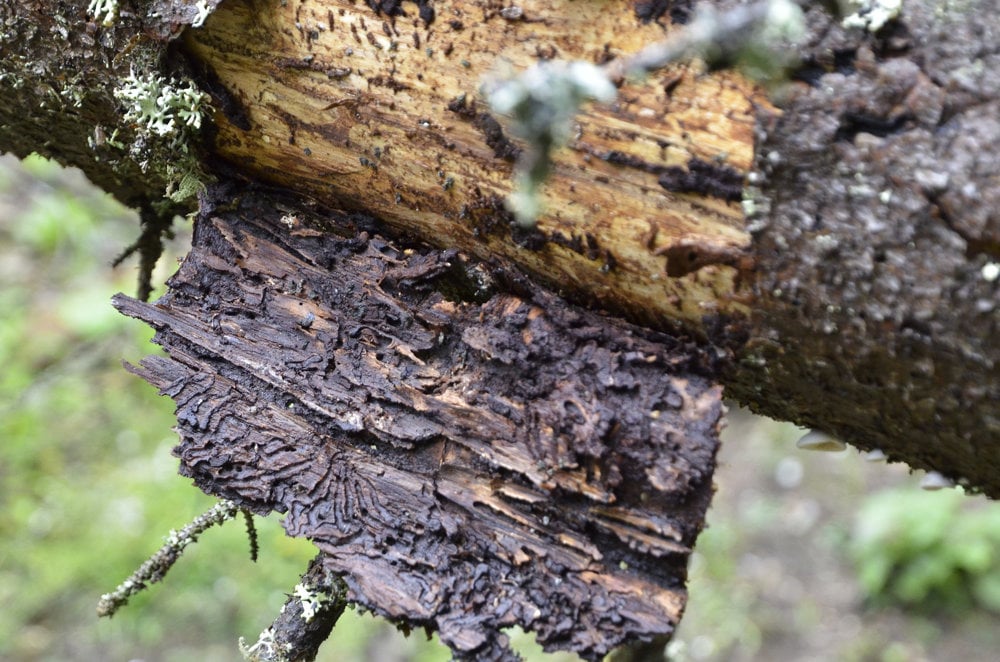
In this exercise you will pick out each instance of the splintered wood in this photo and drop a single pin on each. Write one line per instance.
(469, 454)
(378, 106)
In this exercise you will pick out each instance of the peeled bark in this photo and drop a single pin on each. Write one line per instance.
(468, 458)
(382, 112)
(858, 300)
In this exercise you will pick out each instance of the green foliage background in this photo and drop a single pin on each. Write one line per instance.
(806, 556)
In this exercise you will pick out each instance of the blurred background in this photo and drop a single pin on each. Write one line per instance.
(807, 556)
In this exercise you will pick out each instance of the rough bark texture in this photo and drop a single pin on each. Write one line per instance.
(305, 621)
(878, 313)
(468, 462)
(871, 318)
(59, 68)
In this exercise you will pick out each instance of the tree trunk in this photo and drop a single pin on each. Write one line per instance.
(422, 393)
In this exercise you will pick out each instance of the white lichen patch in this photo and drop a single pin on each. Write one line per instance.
(785, 20)
(990, 271)
(160, 106)
(104, 11)
(263, 649)
(203, 9)
(312, 602)
(545, 98)
(872, 15)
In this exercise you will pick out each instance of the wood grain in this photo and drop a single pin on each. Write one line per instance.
(383, 113)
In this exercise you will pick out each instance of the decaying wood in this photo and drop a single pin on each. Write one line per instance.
(380, 109)
(467, 457)
(866, 275)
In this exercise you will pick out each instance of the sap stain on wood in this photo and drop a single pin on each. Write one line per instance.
(466, 465)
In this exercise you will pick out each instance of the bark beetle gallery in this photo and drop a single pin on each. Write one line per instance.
(467, 466)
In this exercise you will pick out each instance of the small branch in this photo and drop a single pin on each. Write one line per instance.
(718, 38)
(305, 621)
(251, 534)
(156, 567)
(155, 226)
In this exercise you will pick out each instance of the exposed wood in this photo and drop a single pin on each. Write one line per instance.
(467, 463)
(381, 111)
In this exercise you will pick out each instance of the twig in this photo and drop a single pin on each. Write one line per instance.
(716, 37)
(251, 534)
(156, 567)
(305, 621)
(155, 226)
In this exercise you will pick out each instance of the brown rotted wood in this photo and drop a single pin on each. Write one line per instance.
(469, 457)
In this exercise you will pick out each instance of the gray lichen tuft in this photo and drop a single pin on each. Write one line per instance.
(541, 103)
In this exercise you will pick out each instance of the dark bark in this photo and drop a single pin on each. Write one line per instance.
(467, 458)
(879, 234)
(306, 620)
(59, 68)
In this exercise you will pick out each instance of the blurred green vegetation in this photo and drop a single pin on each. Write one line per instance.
(928, 551)
(807, 556)
(824, 556)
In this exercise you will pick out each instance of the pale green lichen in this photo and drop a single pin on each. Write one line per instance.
(871, 15)
(542, 103)
(312, 602)
(165, 113)
(265, 648)
(156, 566)
(160, 106)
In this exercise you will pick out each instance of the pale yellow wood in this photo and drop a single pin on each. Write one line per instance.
(352, 108)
